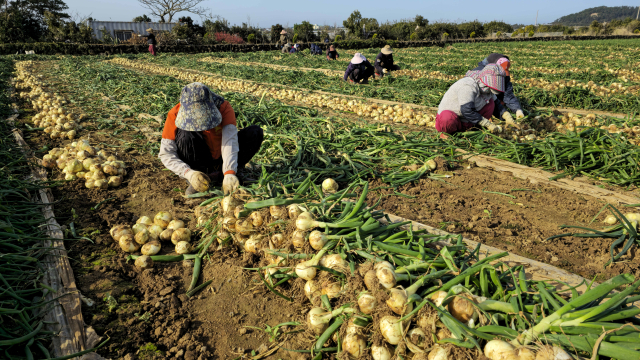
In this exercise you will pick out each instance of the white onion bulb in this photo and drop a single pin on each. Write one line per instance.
(386, 274)
(277, 212)
(182, 234)
(155, 231)
(277, 240)
(329, 186)
(145, 220)
(438, 353)
(163, 219)
(438, 297)
(331, 288)
(138, 227)
(312, 290)
(391, 329)
(367, 303)
(183, 247)
(380, 352)
(354, 345)
(127, 244)
(610, 220)
(499, 350)
(142, 237)
(119, 230)
(256, 219)
(298, 239)
(144, 262)
(462, 309)
(253, 244)
(548, 352)
(318, 320)
(151, 248)
(165, 235)
(294, 210)
(317, 239)
(175, 224)
(397, 301)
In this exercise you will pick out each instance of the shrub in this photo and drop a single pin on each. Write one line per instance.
(633, 26)
(413, 36)
(636, 31)
(531, 33)
(295, 38)
(499, 34)
(338, 38)
(472, 35)
(375, 36)
(445, 35)
(228, 38)
(251, 38)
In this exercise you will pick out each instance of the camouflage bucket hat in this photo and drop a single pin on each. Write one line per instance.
(198, 108)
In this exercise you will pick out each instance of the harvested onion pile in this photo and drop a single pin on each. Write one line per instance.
(52, 116)
(147, 235)
(81, 161)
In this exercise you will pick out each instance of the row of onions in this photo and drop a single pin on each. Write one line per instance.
(52, 117)
(377, 290)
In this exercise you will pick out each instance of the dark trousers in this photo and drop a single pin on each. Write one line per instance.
(249, 142)
(357, 75)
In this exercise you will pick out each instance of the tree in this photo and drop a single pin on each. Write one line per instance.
(31, 16)
(304, 31)
(275, 32)
(220, 25)
(497, 26)
(370, 25)
(353, 23)
(143, 18)
(163, 8)
(194, 28)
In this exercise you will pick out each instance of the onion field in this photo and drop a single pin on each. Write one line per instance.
(305, 259)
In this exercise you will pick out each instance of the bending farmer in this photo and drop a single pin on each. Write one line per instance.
(359, 70)
(200, 141)
(507, 98)
(471, 101)
(384, 61)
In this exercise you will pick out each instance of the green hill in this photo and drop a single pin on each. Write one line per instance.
(604, 14)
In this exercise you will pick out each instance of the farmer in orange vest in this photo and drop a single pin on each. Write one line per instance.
(201, 143)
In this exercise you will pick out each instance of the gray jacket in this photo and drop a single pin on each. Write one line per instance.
(466, 98)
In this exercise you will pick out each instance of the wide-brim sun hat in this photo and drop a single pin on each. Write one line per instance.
(387, 50)
(493, 77)
(357, 59)
(283, 32)
(149, 30)
(198, 110)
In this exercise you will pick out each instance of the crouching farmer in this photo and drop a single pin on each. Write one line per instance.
(201, 143)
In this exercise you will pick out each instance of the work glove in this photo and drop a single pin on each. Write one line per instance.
(198, 180)
(509, 119)
(385, 71)
(519, 114)
(493, 128)
(230, 183)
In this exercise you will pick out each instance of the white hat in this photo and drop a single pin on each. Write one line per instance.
(358, 59)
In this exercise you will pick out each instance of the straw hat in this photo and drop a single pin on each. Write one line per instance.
(357, 59)
(283, 32)
(387, 50)
(149, 30)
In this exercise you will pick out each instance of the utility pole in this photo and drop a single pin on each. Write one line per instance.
(638, 14)
(537, 12)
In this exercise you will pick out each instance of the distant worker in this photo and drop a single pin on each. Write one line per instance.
(315, 49)
(508, 98)
(471, 101)
(286, 48)
(384, 61)
(359, 70)
(332, 54)
(283, 38)
(201, 143)
(151, 40)
(294, 49)
(326, 40)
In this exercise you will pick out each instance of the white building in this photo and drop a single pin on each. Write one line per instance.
(124, 30)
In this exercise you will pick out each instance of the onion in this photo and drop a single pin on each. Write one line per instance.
(151, 248)
(397, 301)
(110, 170)
(298, 239)
(244, 227)
(306, 269)
(331, 288)
(438, 297)
(175, 224)
(253, 244)
(229, 224)
(86, 163)
(317, 239)
(438, 353)
(229, 203)
(318, 320)
(380, 352)
(145, 220)
(431, 164)
(137, 228)
(366, 302)
(162, 218)
(127, 244)
(294, 210)
(499, 350)
(165, 235)
(277, 240)
(237, 210)
(305, 215)
(179, 235)
(386, 274)
(144, 262)
(370, 279)
(335, 262)
(142, 237)
(312, 290)
(524, 353)
(462, 309)
(391, 329)
(119, 230)
(417, 337)
(183, 247)
(155, 231)
(329, 186)
(548, 352)
(73, 166)
(610, 220)
(241, 239)
(354, 345)
(222, 235)
(256, 219)
(277, 212)
(100, 184)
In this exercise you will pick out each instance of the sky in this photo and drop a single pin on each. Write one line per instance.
(326, 12)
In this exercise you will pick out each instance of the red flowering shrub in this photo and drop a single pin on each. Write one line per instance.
(228, 38)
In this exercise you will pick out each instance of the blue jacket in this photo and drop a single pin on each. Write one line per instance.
(362, 66)
(508, 96)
